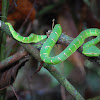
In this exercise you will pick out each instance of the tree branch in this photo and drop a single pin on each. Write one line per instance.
(35, 53)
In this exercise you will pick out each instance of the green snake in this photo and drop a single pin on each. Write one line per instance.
(89, 48)
(32, 38)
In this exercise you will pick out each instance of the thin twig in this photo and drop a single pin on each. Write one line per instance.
(14, 92)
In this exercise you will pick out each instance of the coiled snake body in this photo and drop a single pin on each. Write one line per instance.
(89, 48)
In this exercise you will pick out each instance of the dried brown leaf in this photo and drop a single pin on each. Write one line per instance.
(8, 77)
